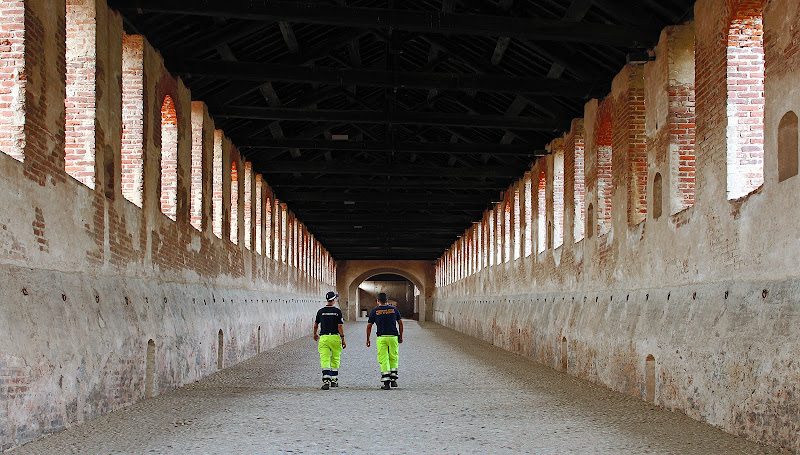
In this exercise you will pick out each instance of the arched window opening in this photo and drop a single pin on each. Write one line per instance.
(787, 146)
(527, 185)
(149, 370)
(132, 166)
(196, 178)
(541, 213)
(745, 102)
(220, 350)
(579, 188)
(234, 203)
(248, 205)
(558, 198)
(169, 158)
(650, 379)
(81, 89)
(479, 240)
(258, 341)
(604, 163)
(564, 356)
(550, 235)
(590, 221)
(216, 190)
(657, 196)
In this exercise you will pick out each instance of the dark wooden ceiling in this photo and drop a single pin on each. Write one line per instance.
(388, 127)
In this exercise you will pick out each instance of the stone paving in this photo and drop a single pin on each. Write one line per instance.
(457, 395)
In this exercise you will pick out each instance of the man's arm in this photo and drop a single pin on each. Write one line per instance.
(400, 326)
(316, 326)
(369, 332)
(341, 335)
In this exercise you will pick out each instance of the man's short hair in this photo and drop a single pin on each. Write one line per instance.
(382, 297)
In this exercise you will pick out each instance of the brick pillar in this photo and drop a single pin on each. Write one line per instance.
(196, 171)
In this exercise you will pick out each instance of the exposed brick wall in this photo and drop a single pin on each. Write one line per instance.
(499, 233)
(745, 103)
(45, 56)
(234, 217)
(12, 78)
(169, 158)
(603, 142)
(80, 102)
(269, 224)
(132, 178)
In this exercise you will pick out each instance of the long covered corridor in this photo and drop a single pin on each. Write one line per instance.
(457, 395)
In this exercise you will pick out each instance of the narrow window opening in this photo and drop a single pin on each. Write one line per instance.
(650, 379)
(604, 171)
(564, 356)
(558, 198)
(268, 227)
(491, 244)
(196, 178)
(259, 222)
(169, 158)
(132, 166)
(745, 102)
(787, 146)
(248, 205)
(541, 214)
(527, 184)
(220, 350)
(234, 203)
(216, 192)
(550, 235)
(284, 228)
(657, 196)
(149, 370)
(517, 223)
(508, 240)
(579, 188)
(590, 221)
(682, 120)
(258, 341)
(12, 88)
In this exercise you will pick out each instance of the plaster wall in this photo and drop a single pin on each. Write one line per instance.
(88, 278)
(710, 290)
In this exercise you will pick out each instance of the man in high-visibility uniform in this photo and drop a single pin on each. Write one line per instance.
(387, 317)
(331, 340)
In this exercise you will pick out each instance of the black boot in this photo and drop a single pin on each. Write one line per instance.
(385, 385)
(326, 384)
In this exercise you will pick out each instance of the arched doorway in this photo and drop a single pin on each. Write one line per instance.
(400, 291)
(355, 304)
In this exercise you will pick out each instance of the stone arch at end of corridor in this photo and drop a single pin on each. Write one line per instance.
(350, 274)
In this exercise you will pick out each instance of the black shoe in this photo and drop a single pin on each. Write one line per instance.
(386, 386)
(393, 383)
(334, 384)
(326, 386)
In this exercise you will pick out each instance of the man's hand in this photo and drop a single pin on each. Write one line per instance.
(368, 343)
(399, 339)
(316, 337)
(344, 344)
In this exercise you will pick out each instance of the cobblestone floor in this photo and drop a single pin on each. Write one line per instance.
(457, 395)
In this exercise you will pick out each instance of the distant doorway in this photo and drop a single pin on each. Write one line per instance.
(401, 293)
